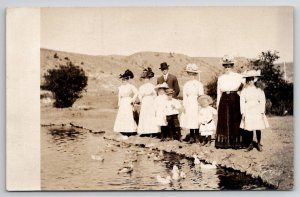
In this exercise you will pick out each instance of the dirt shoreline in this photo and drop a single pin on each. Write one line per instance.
(273, 166)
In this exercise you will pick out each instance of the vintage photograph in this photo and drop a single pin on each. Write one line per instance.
(166, 98)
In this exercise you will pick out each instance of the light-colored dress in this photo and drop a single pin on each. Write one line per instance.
(191, 90)
(206, 120)
(147, 121)
(253, 104)
(160, 107)
(124, 121)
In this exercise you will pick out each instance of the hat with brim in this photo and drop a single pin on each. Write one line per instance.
(227, 60)
(169, 91)
(252, 73)
(164, 66)
(205, 97)
(192, 68)
(162, 86)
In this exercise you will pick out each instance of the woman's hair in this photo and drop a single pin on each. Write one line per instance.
(248, 79)
(147, 73)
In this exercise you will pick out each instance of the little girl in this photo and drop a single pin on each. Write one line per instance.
(124, 122)
(206, 114)
(253, 102)
(160, 107)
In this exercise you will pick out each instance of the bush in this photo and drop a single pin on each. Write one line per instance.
(55, 55)
(66, 84)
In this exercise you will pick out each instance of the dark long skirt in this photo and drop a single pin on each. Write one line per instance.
(229, 134)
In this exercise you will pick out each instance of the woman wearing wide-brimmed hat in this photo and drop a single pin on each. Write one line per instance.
(228, 133)
(253, 104)
(191, 90)
(127, 95)
(147, 123)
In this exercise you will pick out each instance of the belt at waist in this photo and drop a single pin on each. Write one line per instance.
(207, 122)
(230, 92)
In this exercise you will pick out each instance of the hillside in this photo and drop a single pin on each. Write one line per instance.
(103, 71)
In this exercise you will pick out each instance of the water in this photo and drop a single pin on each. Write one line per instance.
(67, 164)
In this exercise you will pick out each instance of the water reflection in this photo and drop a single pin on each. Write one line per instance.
(67, 165)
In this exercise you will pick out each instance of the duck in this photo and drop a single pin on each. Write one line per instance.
(126, 169)
(209, 166)
(196, 160)
(162, 180)
(97, 158)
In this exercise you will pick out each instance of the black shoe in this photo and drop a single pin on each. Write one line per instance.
(249, 148)
(259, 147)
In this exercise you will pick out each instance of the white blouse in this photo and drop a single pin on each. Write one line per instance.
(192, 88)
(228, 82)
(127, 90)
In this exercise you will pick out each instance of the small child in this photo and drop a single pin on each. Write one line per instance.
(206, 114)
(253, 104)
(172, 111)
(160, 107)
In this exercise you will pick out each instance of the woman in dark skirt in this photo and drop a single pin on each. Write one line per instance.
(228, 133)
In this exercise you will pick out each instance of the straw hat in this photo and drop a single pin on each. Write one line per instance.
(227, 60)
(252, 73)
(164, 85)
(205, 97)
(192, 68)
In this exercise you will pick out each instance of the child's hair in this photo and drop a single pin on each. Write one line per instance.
(205, 97)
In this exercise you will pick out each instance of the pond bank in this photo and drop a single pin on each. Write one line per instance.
(274, 165)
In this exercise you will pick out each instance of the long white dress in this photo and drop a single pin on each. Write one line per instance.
(206, 120)
(191, 90)
(160, 107)
(147, 121)
(124, 121)
(253, 104)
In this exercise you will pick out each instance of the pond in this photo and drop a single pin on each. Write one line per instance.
(74, 159)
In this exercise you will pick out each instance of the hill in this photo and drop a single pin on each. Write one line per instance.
(103, 71)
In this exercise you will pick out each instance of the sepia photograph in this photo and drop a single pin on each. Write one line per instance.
(166, 98)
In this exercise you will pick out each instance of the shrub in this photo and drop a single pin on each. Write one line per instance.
(66, 58)
(55, 55)
(66, 84)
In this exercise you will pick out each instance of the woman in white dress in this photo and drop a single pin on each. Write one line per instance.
(147, 94)
(127, 95)
(191, 90)
(253, 104)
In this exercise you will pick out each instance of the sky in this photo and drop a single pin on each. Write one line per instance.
(193, 31)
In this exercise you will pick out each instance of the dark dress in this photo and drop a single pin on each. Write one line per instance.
(172, 83)
(229, 134)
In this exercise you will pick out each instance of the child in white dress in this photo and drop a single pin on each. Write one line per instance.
(253, 102)
(160, 107)
(127, 95)
(206, 114)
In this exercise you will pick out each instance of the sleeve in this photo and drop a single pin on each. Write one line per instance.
(119, 97)
(176, 86)
(201, 89)
(158, 81)
(135, 93)
(218, 93)
(214, 111)
(243, 102)
(178, 105)
(184, 96)
(262, 100)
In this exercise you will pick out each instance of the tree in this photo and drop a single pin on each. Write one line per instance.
(278, 92)
(66, 83)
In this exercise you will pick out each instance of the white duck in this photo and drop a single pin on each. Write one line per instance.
(97, 158)
(209, 166)
(126, 169)
(162, 180)
(196, 160)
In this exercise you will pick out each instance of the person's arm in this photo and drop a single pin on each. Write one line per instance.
(176, 86)
(119, 98)
(214, 111)
(242, 102)
(135, 93)
(218, 93)
(262, 103)
(201, 89)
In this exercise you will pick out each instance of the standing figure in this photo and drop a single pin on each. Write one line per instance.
(147, 123)
(192, 89)
(172, 112)
(160, 107)
(170, 79)
(253, 105)
(228, 133)
(127, 95)
(207, 125)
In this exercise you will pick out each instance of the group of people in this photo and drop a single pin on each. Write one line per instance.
(240, 107)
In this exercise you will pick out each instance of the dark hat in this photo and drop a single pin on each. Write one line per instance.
(169, 91)
(164, 66)
(127, 75)
(147, 73)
